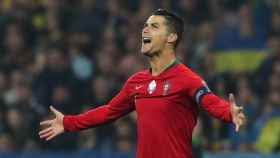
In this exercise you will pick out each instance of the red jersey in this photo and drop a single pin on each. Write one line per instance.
(167, 107)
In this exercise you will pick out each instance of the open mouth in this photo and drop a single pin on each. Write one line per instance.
(146, 40)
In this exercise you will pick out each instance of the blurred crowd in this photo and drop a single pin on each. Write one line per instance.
(76, 55)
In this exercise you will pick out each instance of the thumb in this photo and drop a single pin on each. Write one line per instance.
(54, 111)
(231, 99)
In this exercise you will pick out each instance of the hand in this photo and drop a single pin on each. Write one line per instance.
(237, 114)
(54, 126)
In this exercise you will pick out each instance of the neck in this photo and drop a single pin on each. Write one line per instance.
(161, 61)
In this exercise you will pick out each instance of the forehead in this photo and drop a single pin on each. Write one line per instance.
(156, 19)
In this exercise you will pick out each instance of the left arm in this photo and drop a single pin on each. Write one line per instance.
(216, 107)
(227, 111)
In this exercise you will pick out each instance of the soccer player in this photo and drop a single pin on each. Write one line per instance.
(166, 97)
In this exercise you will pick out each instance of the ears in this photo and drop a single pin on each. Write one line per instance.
(172, 38)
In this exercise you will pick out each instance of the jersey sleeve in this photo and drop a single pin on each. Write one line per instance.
(119, 106)
(198, 90)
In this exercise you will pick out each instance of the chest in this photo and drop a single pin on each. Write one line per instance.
(159, 95)
(154, 88)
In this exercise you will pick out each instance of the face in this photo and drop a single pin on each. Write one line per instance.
(154, 35)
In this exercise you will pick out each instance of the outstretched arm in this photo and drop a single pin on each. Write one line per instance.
(217, 107)
(117, 107)
(223, 110)
(120, 105)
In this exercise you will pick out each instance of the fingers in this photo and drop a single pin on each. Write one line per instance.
(239, 109)
(238, 123)
(51, 137)
(231, 99)
(237, 113)
(47, 130)
(46, 134)
(242, 117)
(47, 122)
(233, 106)
(237, 126)
(240, 120)
(53, 110)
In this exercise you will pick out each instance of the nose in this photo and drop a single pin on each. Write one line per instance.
(146, 29)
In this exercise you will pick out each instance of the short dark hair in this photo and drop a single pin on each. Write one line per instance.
(174, 22)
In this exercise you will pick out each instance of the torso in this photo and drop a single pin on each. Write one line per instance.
(166, 115)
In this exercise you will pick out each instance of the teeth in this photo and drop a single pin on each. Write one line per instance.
(146, 39)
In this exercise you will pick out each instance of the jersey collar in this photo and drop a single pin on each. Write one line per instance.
(176, 62)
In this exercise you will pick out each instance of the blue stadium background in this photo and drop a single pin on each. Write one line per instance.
(76, 55)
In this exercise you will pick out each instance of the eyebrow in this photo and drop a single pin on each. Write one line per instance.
(153, 24)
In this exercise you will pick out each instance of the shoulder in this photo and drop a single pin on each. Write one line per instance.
(193, 83)
(138, 76)
(186, 73)
(189, 79)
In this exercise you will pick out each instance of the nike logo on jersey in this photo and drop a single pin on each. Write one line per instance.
(138, 87)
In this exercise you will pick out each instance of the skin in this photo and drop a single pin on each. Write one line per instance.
(160, 53)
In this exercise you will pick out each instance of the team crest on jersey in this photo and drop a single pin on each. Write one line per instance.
(166, 87)
(152, 87)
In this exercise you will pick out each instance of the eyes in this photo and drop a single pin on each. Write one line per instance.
(152, 25)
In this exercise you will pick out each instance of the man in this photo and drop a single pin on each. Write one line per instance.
(166, 98)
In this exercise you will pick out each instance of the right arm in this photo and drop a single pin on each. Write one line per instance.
(119, 106)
